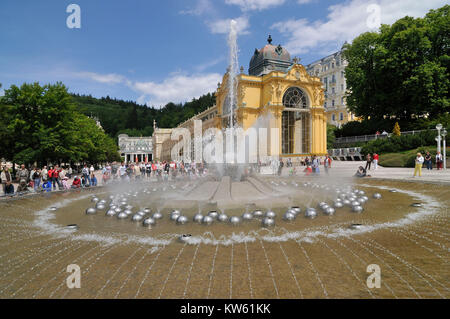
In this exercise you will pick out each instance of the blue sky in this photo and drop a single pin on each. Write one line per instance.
(160, 51)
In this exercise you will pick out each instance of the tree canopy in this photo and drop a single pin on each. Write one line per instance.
(402, 71)
(128, 117)
(41, 124)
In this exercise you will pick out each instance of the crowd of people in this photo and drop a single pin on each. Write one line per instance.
(307, 165)
(47, 179)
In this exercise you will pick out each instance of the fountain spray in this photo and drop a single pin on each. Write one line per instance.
(233, 70)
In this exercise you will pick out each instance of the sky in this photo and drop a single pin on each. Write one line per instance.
(155, 52)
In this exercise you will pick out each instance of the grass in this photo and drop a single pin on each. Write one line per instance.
(406, 158)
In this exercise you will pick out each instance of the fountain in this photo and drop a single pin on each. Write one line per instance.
(223, 228)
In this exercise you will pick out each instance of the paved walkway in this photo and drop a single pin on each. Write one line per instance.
(348, 169)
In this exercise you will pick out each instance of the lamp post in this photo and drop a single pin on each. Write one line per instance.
(439, 128)
(444, 158)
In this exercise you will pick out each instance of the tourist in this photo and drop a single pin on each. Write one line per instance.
(428, 161)
(368, 161)
(76, 182)
(316, 165)
(289, 162)
(85, 172)
(37, 179)
(375, 158)
(106, 174)
(44, 175)
(30, 178)
(308, 170)
(23, 187)
(327, 163)
(47, 186)
(419, 162)
(5, 177)
(62, 174)
(137, 171)
(91, 169)
(361, 172)
(439, 160)
(307, 161)
(122, 171)
(9, 188)
(93, 179)
(65, 183)
(69, 172)
(84, 182)
(129, 170)
(23, 174)
(280, 167)
(55, 178)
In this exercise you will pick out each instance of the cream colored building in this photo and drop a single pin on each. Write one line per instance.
(331, 71)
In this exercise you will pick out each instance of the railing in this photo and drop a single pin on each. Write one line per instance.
(345, 152)
(366, 138)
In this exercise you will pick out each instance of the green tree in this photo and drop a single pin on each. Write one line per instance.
(401, 71)
(331, 137)
(43, 125)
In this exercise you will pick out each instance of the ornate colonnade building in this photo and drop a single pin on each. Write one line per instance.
(278, 93)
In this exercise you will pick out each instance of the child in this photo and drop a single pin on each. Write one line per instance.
(65, 183)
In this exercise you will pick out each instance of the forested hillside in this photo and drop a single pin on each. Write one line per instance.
(118, 116)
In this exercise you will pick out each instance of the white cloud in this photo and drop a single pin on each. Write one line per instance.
(102, 78)
(346, 21)
(177, 87)
(201, 7)
(248, 5)
(304, 1)
(223, 26)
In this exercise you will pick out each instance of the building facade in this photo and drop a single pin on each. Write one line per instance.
(276, 93)
(331, 71)
(135, 149)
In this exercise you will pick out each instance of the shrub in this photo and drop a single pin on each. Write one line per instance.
(400, 143)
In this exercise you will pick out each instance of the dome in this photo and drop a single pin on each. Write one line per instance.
(269, 58)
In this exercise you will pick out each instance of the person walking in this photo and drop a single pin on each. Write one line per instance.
(375, 158)
(419, 162)
(5, 177)
(69, 172)
(428, 162)
(439, 160)
(368, 162)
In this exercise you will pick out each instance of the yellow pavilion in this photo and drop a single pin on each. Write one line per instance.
(275, 85)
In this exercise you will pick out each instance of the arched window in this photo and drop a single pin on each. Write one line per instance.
(295, 123)
(295, 98)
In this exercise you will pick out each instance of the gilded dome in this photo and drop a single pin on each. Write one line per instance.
(269, 58)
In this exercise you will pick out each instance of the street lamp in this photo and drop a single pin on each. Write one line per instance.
(439, 128)
(444, 158)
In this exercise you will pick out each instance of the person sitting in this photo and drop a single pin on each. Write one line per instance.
(65, 183)
(361, 172)
(9, 189)
(47, 186)
(76, 182)
(93, 180)
(23, 187)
